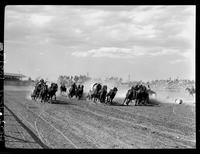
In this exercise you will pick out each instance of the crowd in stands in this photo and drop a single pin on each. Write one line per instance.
(162, 83)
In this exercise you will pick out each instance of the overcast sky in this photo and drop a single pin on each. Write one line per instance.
(147, 42)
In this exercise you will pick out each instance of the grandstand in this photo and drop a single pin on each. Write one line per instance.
(13, 77)
(16, 79)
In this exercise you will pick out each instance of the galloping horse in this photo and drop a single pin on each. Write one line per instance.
(43, 95)
(130, 95)
(103, 93)
(72, 90)
(96, 91)
(79, 91)
(52, 91)
(62, 89)
(191, 90)
(111, 94)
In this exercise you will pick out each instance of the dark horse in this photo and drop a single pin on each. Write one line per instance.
(111, 94)
(130, 95)
(36, 92)
(52, 91)
(72, 90)
(142, 97)
(62, 89)
(44, 93)
(139, 93)
(79, 91)
(103, 93)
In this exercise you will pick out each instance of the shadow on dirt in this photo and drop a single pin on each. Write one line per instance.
(152, 102)
(60, 102)
(115, 103)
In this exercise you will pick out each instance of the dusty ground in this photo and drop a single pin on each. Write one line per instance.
(83, 124)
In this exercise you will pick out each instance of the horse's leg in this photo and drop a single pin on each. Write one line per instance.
(107, 99)
(50, 99)
(124, 101)
(127, 103)
(136, 102)
(110, 101)
(139, 102)
(104, 100)
(55, 97)
(147, 100)
(40, 99)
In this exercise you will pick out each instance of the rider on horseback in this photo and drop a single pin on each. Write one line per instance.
(38, 87)
(40, 83)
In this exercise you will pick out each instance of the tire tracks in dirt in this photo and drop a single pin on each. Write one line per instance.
(165, 134)
(32, 134)
(104, 126)
(26, 121)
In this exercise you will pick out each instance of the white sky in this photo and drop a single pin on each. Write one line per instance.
(147, 42)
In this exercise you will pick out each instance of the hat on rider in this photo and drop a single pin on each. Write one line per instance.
(42, 80)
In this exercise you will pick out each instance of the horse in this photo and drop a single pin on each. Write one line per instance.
(96, 91)
(62, 89)
(191, 90)
(43, 95)
(79, 91)
(52, 91)
(130, 95)
(142, 97)
(72, 90)
(111, 94)
(36, 92)
(103, 93)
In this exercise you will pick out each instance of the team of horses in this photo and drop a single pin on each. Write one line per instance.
(76, 91)
(138, 93)
(99, 93)
(44, 93)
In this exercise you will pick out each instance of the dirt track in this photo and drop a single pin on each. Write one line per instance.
(83, 124)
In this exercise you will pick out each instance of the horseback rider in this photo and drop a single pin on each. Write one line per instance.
(74, 86)
(137, 87)
(41, 83)
(38, 87)
(192, 89)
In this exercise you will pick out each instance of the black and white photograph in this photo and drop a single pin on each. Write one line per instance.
(99, 77)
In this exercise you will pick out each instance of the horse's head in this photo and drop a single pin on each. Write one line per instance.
(105, 87)
(115, 90)
(99, 86)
